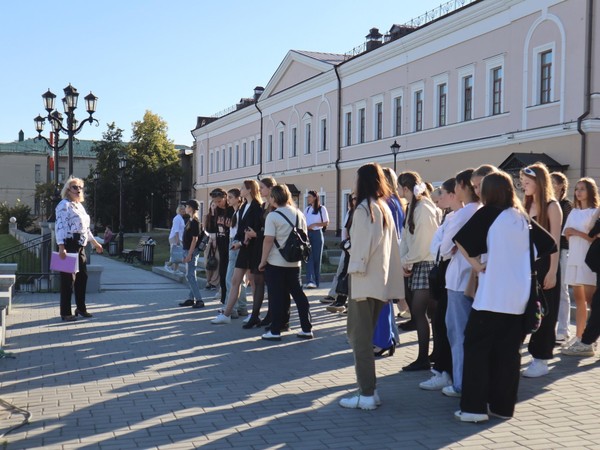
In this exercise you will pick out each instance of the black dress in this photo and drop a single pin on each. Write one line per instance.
(250, 217)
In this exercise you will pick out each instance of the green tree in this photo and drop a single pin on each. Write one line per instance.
(20, 211)
(107, 185)
(154, 169)
(45, 193)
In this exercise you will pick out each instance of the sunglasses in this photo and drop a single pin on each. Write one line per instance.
(530, 172)
(76, 188)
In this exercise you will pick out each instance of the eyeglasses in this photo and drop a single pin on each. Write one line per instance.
(77, 188)
(530, 172)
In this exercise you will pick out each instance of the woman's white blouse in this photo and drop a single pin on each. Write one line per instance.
(71, 218)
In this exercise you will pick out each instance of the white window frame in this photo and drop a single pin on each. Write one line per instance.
(395, 94)
(464, 72)
(490, 65)
(211, 160)
(437, 81)
(281, 140)
(244, 161)
(230, 151)
(361, 105)
(270, 147)
(323, 140)
(347, 132)
(201, 165)
(223, 158)
(375, 101)
(308, 133)
(536, 82)
(217, 160)
(293, 146)
(416, 87)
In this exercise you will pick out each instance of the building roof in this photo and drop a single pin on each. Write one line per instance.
(516, 161)
(81, 148)
(329, 58)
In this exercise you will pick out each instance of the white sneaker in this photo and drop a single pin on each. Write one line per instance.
(449, 391)
(470, 417)
(562, 337)
(537, 368)
(246, 319)
(437, 381)
(310, 286)
(221, 319)
(376, 398)
(305, 335)
(578, 348)
(271, 337)
(359, 402)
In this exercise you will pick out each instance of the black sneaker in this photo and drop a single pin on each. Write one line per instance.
(198, 304)
(188, 302)
(328, 299)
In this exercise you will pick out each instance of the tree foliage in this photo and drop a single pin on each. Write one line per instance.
(153, 169)
(20, 211)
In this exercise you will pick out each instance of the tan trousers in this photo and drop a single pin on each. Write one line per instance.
(362, 318)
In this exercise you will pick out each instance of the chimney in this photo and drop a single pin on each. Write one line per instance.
(21, 136)
(374, 39)
(258, 90)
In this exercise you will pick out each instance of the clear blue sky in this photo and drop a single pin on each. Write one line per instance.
(179, 58)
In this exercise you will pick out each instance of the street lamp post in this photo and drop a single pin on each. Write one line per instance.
(96, 179)
(122, 165)
(395, 147)
(70, 105)
(56, 147)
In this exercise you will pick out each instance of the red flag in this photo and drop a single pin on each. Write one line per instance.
(51, 164)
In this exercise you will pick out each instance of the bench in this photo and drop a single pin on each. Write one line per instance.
(129, 253)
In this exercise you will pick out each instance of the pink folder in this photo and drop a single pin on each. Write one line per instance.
(68, 265)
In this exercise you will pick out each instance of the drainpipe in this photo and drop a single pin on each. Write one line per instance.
(260, 158)
(338, 175)
(587, 85)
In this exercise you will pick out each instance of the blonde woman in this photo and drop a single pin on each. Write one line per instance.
(72, 235)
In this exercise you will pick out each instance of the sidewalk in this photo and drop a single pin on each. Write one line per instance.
(146, 373)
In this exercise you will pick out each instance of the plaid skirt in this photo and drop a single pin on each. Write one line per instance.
(420, 275)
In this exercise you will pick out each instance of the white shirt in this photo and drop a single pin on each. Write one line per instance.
(71, 218)
(505, 285)
(439, 234)
(278, 227)
(311, 217)
(457, 274)
(177, 227)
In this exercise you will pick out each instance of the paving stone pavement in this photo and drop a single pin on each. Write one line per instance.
(146, 373)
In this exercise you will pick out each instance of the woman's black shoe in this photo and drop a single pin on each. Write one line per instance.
(265, 322)
(70, 318)
(417, 365)
(253, 322)
(198, 304)
(82, 313)
(409, 325)
(188, 302)
(391, 350)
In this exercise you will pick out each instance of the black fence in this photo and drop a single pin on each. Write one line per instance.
(33, 264)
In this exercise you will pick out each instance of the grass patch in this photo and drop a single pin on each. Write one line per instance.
(7, 241)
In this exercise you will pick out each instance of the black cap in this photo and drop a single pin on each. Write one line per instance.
(218, 192)
(193, 204)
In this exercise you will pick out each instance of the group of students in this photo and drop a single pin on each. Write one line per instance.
(245, 233)
(479, 236)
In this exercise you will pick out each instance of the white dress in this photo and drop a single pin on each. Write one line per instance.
(577, 272)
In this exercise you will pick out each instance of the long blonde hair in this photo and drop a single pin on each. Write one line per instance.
(544, 194)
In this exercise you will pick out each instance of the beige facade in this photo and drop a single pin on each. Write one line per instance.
(486, 81)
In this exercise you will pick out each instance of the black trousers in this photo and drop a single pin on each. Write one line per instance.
(542, 342)
(441, 354)
(223, 248)
(283, 282)
(592, 329)
(69, 281)
(492, 362)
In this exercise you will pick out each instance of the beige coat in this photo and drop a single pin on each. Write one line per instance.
(375, 269)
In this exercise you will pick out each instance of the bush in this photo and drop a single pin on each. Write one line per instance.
(20, 211)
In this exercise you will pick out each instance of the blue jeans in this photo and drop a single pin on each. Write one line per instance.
(242, 300)
(313, 266)
(457, 316)
(191, 277)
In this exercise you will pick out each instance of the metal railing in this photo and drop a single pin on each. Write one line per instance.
(33, 264)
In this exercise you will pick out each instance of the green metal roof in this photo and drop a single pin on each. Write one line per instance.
(81, 148)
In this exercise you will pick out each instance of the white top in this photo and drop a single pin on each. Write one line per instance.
(232, 229)
(345, 234)
(311, 217)
(505, 285)
(71, 218)
(577, 272)
(177, 227)
(436, 241)
(459, 269)
(277, 226)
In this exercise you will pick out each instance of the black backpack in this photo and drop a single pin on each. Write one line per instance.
(297, 247)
